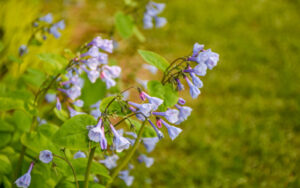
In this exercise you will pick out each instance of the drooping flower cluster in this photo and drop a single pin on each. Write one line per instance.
(94, 63)
(204, 59)
(152, 10)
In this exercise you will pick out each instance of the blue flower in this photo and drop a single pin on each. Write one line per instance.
(132, 141)
(73, 92)
(124, 175)
(197, 48)
(92, 52)
(150, 143)
(184, 113)
(24, 181)
(108, 80)
(209, 58)
(79, 154)
(110, 161)
(171, 115)
(173, 131)
(120, 142)
(112, 71)
(79, 103)
(181, 101)
(194, 91)
(54, 28)
(154, 9)
(96, 113)
(148, 21)
(58, 104)
(95, 133)
(143, 108)
(147, 160)
(159, 134)
(180, 86)
(104, 44)
(151, 68)
(46, 156)
(156, 102)
(196, 81)
(23, 50)
(50, 97)
(47, 18)
(160, 21)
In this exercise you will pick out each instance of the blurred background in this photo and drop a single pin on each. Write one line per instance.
(244, 130)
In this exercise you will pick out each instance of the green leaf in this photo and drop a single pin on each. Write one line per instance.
(48, 130)
(5, 165)
(53, 62)
(5, 126)
(154, 59)
(14, 59)
(165, 92)
(21, 120)
(73, 133)
(7, 103)
(61, 114)
(92, 92)
(38, 142)
(5, 138)
(116, 107)
(124, 24)
(34, 77)
(1, 46)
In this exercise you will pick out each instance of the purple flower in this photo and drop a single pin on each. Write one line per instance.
(142, 82)
(110, 161)
(50, 97)
(97, 134)
(154, 9)
(132, 141)
(96, 113)
(196, 81)
(150, 143)
(79, 103)
(151, 68)
(120, 142)
(173, 131)
(104, 44)
(145, 108)
(108, 81)
(156, 102)
(92, 63)
(181, 101)
(184, 113)
(79, 154)
(73, 92)
(159, 134)
(171, 115)
(197, 48)
(46, 156)
(180, 86)
(58, 104)
(23, 50)
(54, 28)
(112, 71)
(147, 160)
(124, 175)
(194, 91)
(47, 18)
(24, 181)
(148, 21)
(209, 58)
(199, 69)
(160, 21)
(92, 52)
(74, 112)
(92, 75)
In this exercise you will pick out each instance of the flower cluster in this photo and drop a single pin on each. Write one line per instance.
(152, 10)
(93, 62)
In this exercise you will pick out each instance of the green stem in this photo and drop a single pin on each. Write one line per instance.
(128, 155)
(88, 168)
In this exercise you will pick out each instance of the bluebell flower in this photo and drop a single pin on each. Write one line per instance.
(155, 101)
(148, 21)
(73, 92)
(150, 143)
(180, 86)
(154, 9)
(147, 160)
(196, 81)
(171, 115)
(159, 134)
(110, 161)
(79, 154)
(124, 175)
(108, 80)
(23, 50)
(50, 97)
(145, 108)
(151, 68)
(126, 95)
(172, 130)
(93, 75)
(142, 82)
(184, 113)
(74, 112)
(104, 44)
(197, 48)
(112, 71)
(120, 142)
(194, 91)
(58, 104)
(209, 58)
(92, 63)
(24, 181)
(96, 113)
(47, 18)
(199, 69)
(160, 21)
(96, 105)
(95, 133)
(181, 101)
(132, 141)
(79, 103)
(158, 122)
(41, 121)
(54, 28)
(46, 156)
(92, 52)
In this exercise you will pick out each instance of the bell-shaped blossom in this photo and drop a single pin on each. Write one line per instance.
(151, 68)
(150, 143)
(172, 130)
(194, 91)
(46, 156)
(196, 80)
(171, 115)
(74, 112)
(23, 50)
(155, 101)
(131, 140)
(197, 48)
(96, 113)
(124, 175)
(24, 181)
(54, 28)
(154, 9)
(199, 69)
(159, 134)
(180, 86)
(110, 161)
(184, 113)
(79, 154)
(95, 133)
(93, 75)
(92, 63)
(158, 122)
(108, 80)
(50, 97)
(104, 44)
(79, 103)
(73, 92)
(96, 105)
(142, 82)
(112, 71)
(58, 104)
(209, 58)
(160, 21)
(147, 160)
(92, 52)
(47, 18)
(148, 21)
(145, 108)
(181, 101)
(120, 142)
